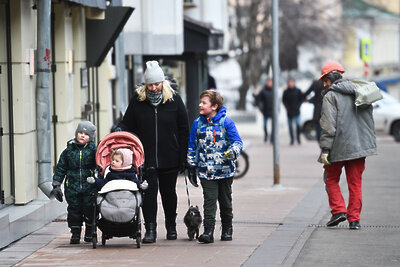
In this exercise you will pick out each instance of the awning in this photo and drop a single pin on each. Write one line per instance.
(100, 4)
(101, 34)
(362, 9)
(200, 36)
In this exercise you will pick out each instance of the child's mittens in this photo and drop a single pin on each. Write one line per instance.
(90, 180)
(57, 192)
(229, 154)
(144, 185)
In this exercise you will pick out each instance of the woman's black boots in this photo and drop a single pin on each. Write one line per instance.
(208, 235)
(171, 232)
(151, 233)
(170, 225)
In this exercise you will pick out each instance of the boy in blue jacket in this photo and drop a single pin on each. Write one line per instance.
(214, 144)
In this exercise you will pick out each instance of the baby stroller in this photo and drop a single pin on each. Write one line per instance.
(117, 207)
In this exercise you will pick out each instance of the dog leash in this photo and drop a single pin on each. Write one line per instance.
(187, 189)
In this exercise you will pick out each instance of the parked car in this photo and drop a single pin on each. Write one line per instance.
(386, 117)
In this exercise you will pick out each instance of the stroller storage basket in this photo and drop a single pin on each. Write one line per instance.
(111, 229)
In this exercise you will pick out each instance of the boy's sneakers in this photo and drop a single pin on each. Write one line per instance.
(355, 225)
(336, 219)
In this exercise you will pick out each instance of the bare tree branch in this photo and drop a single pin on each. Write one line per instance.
(302, 22)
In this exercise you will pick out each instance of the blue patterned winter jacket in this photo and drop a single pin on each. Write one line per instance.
(208, 140)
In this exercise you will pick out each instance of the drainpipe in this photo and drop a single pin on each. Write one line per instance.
(43, 96)
(120, 86)
(53, 75)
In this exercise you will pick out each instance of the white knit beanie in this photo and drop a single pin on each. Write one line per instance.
(153, 73)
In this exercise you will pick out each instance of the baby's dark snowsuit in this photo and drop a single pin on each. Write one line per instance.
(76, 163)
(130, 175)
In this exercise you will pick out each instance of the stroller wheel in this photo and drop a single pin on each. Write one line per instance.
(94, 241)
(103, 240)
(138, 241)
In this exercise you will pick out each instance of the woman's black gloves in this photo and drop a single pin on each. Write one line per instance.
(192, 176)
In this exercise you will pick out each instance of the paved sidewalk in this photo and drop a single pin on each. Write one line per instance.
(378, 241)
(273, 225)
(259, 208)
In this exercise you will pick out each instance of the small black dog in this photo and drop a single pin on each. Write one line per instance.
(193, 220)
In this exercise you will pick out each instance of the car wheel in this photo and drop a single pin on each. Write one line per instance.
(396, 131)
(309, 130)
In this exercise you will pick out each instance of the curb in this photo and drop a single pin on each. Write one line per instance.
(283, 246)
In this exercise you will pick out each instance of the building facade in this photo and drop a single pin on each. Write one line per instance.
(94, 62)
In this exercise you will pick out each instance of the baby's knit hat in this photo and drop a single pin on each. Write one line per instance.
(86, 127)
(126, 157)
(153, 73)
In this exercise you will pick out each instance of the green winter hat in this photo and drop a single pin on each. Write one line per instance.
(86, 127)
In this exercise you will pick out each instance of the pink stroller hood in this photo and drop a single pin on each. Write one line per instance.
(117, 140)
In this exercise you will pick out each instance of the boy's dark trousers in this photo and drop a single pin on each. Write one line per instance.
(217, 190)
(80, 209)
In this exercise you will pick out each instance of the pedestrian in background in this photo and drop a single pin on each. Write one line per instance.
(76, 163)
(347, 137)
(214, 145)
(264, 101)
(211, 84)
(316, 87)
(292, 99)
(157, 115)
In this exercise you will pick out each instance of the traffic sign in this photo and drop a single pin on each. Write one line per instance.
(365, 49)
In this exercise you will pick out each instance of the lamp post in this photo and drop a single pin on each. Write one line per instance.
(275, 70)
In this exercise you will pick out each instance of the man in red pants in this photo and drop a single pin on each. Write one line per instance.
(347, 137)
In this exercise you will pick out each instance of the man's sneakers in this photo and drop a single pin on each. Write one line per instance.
(340, 217)
(336, 219)
(355, 225)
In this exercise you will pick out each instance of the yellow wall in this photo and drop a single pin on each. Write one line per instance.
(23, 37)
(390, 5)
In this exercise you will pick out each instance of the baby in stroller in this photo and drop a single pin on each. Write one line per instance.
(121, 168)
(120, 157)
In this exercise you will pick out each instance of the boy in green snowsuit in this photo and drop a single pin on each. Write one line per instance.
(76, 163)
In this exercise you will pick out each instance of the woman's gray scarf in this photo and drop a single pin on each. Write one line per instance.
(154, 98)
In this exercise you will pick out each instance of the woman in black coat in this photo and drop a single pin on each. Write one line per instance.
(157, 115)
